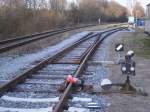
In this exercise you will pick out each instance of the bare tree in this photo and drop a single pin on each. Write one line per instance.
(31, 4)
(26, 16)
(58, 5)
(116, 12)
(138, 10)
(74, 13)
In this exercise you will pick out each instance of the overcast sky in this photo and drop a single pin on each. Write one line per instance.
(124, 2)
(143, 2)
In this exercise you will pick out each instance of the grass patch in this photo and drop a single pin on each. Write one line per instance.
(140, 43)
(146, 42)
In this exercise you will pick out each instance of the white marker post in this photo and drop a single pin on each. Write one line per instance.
(99, 20)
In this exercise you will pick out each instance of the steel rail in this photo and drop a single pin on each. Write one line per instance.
(20, 78)
(26, 36)
(41, 33)
(32, 38)
(64, 98)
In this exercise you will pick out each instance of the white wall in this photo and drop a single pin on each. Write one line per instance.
(147, 21)
(147, 25)
(148, 11)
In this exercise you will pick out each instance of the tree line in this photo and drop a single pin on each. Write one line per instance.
(19, 17)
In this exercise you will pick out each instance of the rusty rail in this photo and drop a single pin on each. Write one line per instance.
(33, 37)
(64, 98)
(20, 78)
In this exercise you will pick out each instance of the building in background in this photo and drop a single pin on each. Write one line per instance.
(147, 20)
(148, 10)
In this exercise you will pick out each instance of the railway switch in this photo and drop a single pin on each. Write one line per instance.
(127, 68)
(78, 83)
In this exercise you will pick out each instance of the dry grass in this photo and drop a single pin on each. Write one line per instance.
(140, 43)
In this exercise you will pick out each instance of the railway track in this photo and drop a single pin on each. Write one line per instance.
(36, 90)
(9, 44)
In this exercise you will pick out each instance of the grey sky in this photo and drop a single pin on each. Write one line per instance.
(143, 2)
(124, 2)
